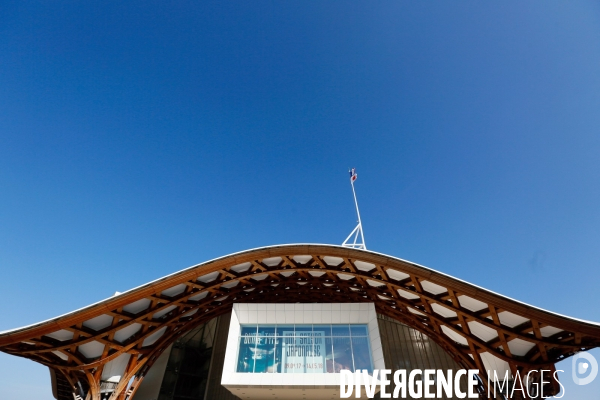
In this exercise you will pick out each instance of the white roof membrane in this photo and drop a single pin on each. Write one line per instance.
(455, 336)
(163, 312)
(333, 261)
(272, 261)
(113, 370)
(91, 349)
(230, 284)
(62, 335)
(99, 323)
(123, 334)
(494, 364)
(407, 295)
(443, 311)
(415, 311)
(433, 288)
(364, 266)
(198, 296)
(150, 340)
(511, 320)
(61, 354)
(302, 259)
(548, 331)
(137, 306)
(465, 301)
(243, 267)
(397, 275)
(174, 291)
(209, 277)
(520, 347)
(471, 304)
(481, 331)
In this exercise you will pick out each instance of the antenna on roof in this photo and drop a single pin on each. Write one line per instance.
(357, 242)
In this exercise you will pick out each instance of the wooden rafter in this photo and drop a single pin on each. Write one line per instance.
(312, 280)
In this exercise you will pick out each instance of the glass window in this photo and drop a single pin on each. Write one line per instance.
(362, 353)
(303, 328)
(246, 354)
(322, 348)
(329, 362)
(277, 367)
(264, 356)
(290, 357)
(358, 330)
(342, 353)
(326, 329)
(249, 330)
(340, 330)
(266, 330)
(283, 330)
(315, 360)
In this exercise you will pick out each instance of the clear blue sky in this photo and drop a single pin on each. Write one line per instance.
(139, 138)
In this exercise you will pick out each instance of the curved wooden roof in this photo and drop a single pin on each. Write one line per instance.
(479, 328)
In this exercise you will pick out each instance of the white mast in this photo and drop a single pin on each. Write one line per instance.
(357, 243)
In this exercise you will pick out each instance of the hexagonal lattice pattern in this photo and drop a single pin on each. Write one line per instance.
(478, 328)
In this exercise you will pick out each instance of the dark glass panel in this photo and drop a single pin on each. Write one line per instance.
(284, 330)
(246, 354)
(342, 354)
(264, 356)
(326, 329)
(291, 354)
(249, 330)
(358, 330)
(362, 354)
(317, 360)
(340, 330)
(266, 330)
(277, 367)
(303, 329)
(329, 355)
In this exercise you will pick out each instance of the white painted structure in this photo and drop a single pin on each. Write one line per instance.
(294, 385)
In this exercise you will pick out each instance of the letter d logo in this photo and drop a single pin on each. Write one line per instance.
(581, 368)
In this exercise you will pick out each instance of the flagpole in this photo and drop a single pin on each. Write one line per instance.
(358, 214)
(358, 230)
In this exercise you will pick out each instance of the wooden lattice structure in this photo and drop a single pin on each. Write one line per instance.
(126, 333)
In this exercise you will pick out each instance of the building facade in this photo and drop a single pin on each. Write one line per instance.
(283, 321)
(192, 368)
